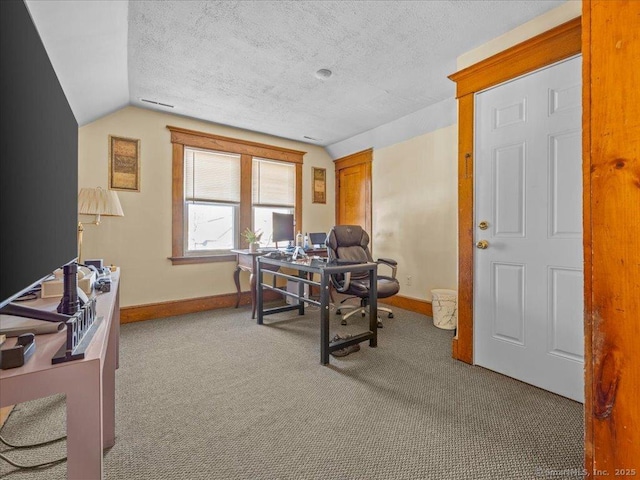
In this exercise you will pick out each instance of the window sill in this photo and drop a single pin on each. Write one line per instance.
(192, 259)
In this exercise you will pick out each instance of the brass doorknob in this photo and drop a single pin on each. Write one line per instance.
(483, 225)
(482, 244)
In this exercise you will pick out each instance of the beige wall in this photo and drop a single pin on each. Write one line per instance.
(140, 242)
(415, 210)
(415, 193)
(559, 15)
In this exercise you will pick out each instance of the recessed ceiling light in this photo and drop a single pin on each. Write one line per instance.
(156, 103)
(323, 73)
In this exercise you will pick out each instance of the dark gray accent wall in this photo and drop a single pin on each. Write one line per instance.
(38, 158)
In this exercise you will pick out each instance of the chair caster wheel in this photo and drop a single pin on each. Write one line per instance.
(391, 315)
(343, 322)
(363, 314)
(338, 312)
(380, 324)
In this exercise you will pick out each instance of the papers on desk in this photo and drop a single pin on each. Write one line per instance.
(13, 326)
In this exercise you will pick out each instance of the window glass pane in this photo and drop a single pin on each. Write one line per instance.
(213, 176)
(262, 222)
(273, 183)
(210, 226)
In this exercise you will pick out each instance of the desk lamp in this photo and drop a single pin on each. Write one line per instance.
(96, 201)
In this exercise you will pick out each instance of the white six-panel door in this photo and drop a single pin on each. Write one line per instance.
(528, 281)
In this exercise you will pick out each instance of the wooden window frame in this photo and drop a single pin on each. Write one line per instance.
(181, 138)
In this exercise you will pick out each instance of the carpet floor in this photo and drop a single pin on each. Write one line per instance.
(212, 395)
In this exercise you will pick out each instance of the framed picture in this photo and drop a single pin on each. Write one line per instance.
(319, 185)
(124, 164)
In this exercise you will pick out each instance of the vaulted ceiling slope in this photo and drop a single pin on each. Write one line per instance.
(253, 64)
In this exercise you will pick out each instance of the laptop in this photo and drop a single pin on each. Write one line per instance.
(317, 239)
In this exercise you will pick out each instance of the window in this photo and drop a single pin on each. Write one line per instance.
(222, 186)
(274, 188)
(212, 200)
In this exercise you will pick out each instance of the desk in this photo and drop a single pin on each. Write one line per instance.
(89, 384)
(247, 263)
(316, 251)
(325, 270)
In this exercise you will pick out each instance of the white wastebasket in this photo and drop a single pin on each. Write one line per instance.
(445, 308)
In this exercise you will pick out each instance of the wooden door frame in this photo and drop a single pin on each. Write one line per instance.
(611, 172)
(363, 157)
(607, 35)
(557, 44)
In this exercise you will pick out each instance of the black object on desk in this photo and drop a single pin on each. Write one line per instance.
(70, 303)
(325, 270)
(81, 326)
(18, 355)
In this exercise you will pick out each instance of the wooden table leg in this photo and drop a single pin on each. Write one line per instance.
(236, 278)
(109, 388)
(84, 424)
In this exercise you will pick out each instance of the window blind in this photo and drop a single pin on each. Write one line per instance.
(211, 176)
(274, 183)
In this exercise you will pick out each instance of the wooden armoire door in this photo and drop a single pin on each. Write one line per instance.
(353, 190)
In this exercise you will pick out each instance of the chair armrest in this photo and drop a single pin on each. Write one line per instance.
(390, 263)
(342, 286)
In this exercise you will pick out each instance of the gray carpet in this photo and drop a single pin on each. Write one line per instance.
(215, 396)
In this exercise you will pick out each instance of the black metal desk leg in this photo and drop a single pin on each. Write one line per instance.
(301, 274)
(373, 306)
(324, 319)
(259, 294)
(252, 286)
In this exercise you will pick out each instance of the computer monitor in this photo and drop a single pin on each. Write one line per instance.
(283, 227)
(317, 238)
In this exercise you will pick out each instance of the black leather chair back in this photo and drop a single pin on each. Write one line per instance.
(349, 243)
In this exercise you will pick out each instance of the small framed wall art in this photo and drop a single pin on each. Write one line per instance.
(319, 185)
(124, 164)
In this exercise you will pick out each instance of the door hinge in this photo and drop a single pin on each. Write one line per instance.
(467, 157)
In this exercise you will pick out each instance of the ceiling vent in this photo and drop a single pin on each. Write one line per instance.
(157, 103)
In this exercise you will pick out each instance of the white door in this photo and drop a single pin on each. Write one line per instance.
(528, 294)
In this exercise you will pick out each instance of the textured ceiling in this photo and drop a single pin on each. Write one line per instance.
(252, 64)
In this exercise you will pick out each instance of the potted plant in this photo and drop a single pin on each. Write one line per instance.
(253, 238)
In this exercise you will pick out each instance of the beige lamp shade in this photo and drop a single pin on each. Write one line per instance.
(98, 201)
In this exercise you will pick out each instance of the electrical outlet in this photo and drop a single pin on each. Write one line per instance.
(409, 279)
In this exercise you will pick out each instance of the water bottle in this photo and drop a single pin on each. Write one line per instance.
(299, 240)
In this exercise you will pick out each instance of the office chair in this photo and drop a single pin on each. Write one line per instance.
(351, 243)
